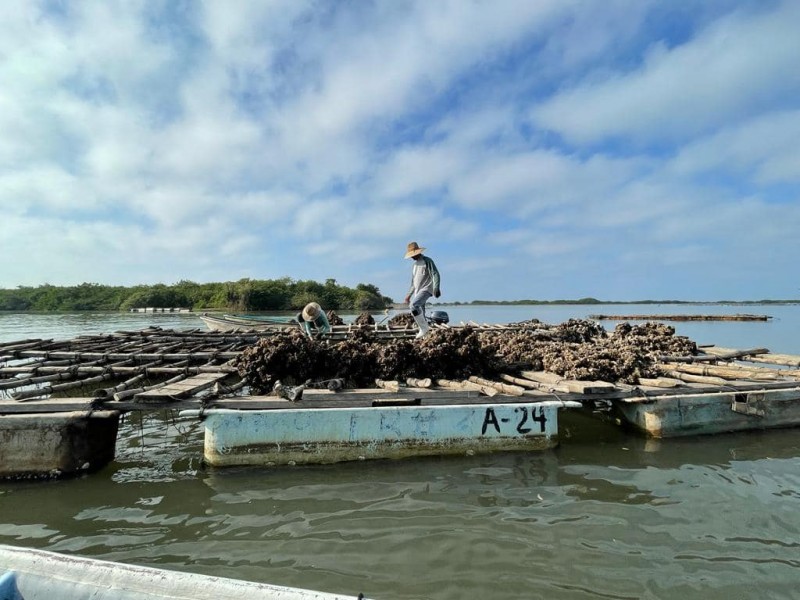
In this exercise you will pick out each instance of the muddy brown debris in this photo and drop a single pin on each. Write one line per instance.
(575, 349)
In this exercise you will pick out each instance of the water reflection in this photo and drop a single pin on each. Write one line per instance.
(621, 518)
(605, 515)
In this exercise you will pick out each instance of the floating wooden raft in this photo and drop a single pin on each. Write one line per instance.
(155, 368)
(738, 317)
(181, 362)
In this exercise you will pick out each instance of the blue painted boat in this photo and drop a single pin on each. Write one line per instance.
(28, 574)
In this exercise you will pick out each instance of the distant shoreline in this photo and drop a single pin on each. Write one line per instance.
(593, 302)
(403, 306)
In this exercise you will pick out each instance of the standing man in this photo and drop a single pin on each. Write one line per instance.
(424, 284)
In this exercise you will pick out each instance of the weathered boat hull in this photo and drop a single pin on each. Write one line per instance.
(56, 444)
(27, 574)
(710, 413)
(316, 436)
(231, 323)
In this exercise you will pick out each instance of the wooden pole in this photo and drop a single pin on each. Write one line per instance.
(714, 355)
(420, 383)
(128, 393)
(695, 378)
(661, 382)
(511, 390)
(47, 390)
(724, 372)
(466, 385)
(526, 383)
(393, 386)
(125, 385)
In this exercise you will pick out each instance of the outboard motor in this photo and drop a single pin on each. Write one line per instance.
(439, 317)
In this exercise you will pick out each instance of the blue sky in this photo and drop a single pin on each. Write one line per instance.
(548, 149)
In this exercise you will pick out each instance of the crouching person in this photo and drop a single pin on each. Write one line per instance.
(314, 320)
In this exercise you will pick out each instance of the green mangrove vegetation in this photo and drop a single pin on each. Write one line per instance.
(242, 295)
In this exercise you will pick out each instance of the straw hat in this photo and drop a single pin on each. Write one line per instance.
(413, 249)
(311, 311)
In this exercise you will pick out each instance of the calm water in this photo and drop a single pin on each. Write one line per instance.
(605, 515)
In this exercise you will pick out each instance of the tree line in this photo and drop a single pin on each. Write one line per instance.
(243, 295)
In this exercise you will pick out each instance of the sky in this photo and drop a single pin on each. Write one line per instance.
(547, 149)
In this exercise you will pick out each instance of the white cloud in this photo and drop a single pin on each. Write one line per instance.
(765, 148)
(162, 141)
(739, 63)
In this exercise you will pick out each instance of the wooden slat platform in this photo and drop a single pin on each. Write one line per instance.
(34, 373)
(736, 317)
(181, 389)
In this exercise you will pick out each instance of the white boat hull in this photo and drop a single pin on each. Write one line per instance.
(27, 574)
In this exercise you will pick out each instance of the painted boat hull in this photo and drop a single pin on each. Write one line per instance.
(56, 444)
(711, 413)
(27, 574)
(318, 436)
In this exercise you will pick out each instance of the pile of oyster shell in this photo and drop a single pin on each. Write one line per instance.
(575, 349)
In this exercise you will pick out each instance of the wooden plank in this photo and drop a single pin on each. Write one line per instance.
(184, 388)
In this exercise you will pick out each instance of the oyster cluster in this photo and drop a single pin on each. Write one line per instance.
(576, 349)
(365, 318)
(402, 320)
(334, 318)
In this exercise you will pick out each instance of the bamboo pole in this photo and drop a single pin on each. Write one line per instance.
(712, 354)
(695, 378)
(166, 370)
(132, 392)
(574, 386)
(546, 381)
(47, 390)
(526, 383)
(661, 382)
(393, 386)
(466, 385)
(724, 372)
(131, 355)
(125, 385)
(789, 360)
(14, 347)
(511, 390)
(19, 382)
